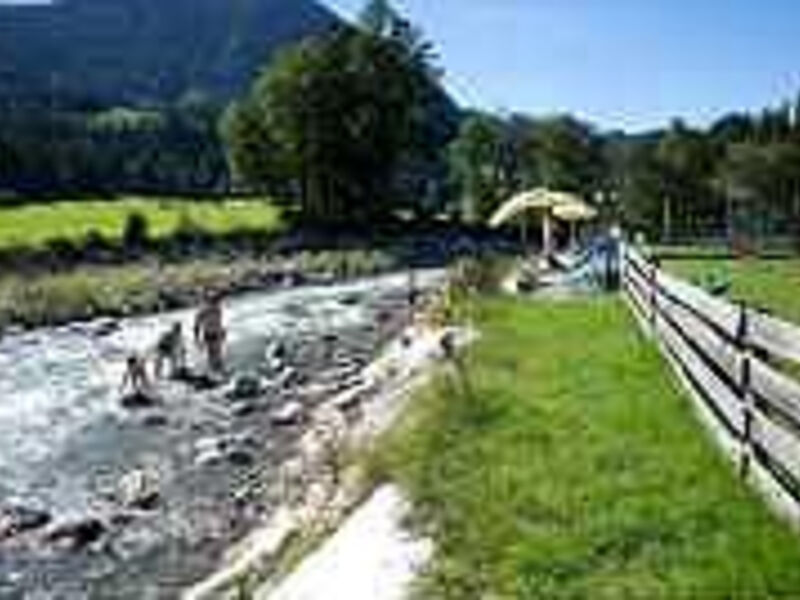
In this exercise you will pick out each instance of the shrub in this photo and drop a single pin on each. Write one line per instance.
(136, 233)
(96, 247)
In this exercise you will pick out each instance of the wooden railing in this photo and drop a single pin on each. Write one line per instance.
(733, 360)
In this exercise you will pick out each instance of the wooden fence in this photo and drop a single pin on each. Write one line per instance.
(734, 361)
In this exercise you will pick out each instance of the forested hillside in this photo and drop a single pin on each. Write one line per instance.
(96, 53)
(103, 96)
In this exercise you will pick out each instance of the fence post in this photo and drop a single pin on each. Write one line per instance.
(745, 389)
(652, 279)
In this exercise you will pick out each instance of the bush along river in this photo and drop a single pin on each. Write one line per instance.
(100, 501)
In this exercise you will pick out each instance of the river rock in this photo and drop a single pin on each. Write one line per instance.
(199, 381)
(155, 420)
(244, 409)
(139, 490)
(105, 327)
(276, 357)
(210, 450)
(239, 457)
(76, 534)
(245, 387)
(19, 518)
(290, 413)
(351, 299)
(138, 400)
(211, 456)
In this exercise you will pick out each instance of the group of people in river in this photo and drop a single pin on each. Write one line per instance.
(169, 355)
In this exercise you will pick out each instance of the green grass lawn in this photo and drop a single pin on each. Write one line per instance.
(576, 468)
(769, 284)
(35, 225)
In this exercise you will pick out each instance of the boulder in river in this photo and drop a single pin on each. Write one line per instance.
(17, 518)
(139, 490)
(202, 382)
(239, 457)
(245, 387)
(351, 299)
(210, 450)
(105, 327)
(155, 419)
(76, 534)
(290, 413)
(244, 408)
(139, 400)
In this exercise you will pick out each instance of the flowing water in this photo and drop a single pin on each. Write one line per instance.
(65, 441)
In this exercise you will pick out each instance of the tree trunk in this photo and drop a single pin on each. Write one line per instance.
(666, 224)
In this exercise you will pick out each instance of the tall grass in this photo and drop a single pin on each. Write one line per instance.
(569, 465)
(142, 287)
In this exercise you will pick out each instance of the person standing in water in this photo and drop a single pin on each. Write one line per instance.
(135, 379)
(171, 350)
(209, 332)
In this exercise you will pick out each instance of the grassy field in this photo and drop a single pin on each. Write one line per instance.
(571, 466)
(769, 284)
(35, 225)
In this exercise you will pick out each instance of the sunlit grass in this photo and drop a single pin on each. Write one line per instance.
(768, 284)
(576, 468)
(35, 225)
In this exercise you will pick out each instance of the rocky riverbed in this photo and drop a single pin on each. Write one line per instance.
(100, 501)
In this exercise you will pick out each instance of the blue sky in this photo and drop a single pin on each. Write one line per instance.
(622, 63)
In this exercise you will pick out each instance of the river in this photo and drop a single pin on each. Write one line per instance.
(65, 441)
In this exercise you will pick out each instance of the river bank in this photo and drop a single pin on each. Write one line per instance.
(138, 288)
(41, 296)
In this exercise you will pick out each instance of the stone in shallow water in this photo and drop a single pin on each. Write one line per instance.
(239, 457)
(290, 413)
(244, 409)
(139, 489)
(19, 518)
(105, 327)
(76, 534)
(138, 400)
(155, 419)
(211, 456)
(245, 387)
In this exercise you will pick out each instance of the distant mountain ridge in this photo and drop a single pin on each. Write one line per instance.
(111, 96)
(145, 52)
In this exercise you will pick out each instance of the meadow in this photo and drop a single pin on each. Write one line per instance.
(565, 462)
(772, 285)
(35, 225)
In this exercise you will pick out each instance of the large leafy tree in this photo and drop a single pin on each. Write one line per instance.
(476, 157)
(337, 118)
(568, 155)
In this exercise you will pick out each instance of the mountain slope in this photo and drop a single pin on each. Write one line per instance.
(140, 52)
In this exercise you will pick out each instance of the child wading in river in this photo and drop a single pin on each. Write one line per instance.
(209, 333)
(135, 380)
(171, 350)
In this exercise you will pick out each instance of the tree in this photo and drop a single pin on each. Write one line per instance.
(685, 162)
(337, 117)
(568, 155)
(475, 157)
(378, 17)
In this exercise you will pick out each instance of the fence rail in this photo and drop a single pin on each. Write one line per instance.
(732, 359)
